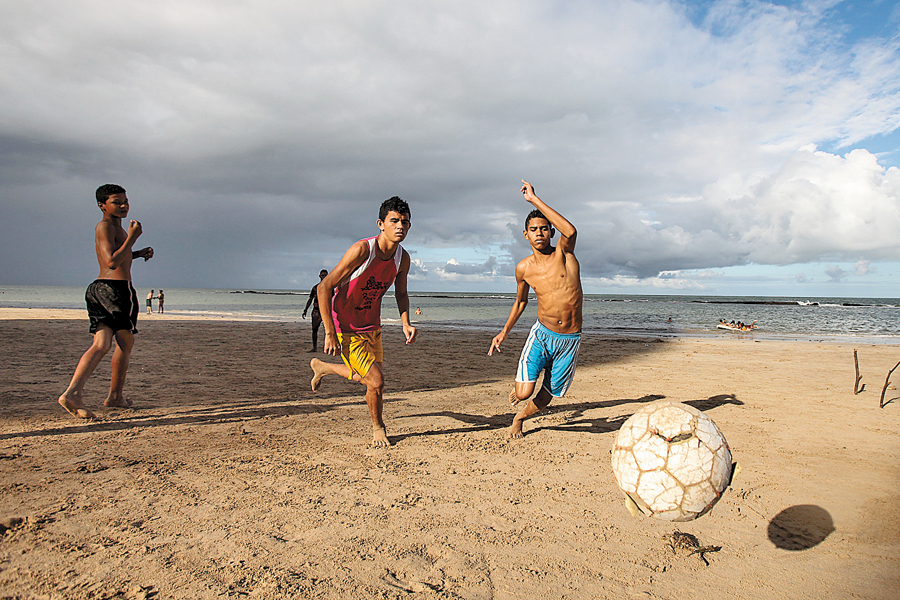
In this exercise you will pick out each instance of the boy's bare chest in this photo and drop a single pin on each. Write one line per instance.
(119, 238)
(551, 275)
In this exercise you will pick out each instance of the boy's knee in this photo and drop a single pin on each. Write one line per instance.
(375, 385)
(374, 379)
(524, 390)
(103, 346)
(103, 341)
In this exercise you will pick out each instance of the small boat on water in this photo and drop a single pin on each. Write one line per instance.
(738, 327)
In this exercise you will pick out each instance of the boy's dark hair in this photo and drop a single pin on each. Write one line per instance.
(535, 214)
(397, 204)
(108, 189)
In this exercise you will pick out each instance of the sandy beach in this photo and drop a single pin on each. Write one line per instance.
(230, 478)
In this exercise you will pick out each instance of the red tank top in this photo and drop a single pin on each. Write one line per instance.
(356, 304)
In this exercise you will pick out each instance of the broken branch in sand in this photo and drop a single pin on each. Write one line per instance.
(856, 388)
(887, 381)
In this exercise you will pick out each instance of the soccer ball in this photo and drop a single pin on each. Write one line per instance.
(671, 461)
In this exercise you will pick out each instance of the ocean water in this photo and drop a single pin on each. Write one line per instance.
(874, 320)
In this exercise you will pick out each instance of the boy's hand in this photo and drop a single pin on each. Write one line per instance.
(410, 332)
(145, 253)
(331, 345)
(528, 190)
(135, 229)
(495, 343)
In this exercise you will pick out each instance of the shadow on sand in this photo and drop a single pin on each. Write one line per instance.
(800, 527)
(575, 422)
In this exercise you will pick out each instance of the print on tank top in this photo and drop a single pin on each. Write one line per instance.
(372, 291)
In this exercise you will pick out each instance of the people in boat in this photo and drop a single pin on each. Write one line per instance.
(739, 325)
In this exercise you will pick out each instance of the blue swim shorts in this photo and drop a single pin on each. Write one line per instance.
(557, 353)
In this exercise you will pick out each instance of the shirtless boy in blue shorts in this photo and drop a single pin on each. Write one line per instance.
(552, 344)
(112, 303)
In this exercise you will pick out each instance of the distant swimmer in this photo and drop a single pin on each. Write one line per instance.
(316, 315)
(553, 343)
(418, 311)
(112, 302)
(350, 302)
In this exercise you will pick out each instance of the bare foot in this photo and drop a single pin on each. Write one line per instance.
(513, 399)
(75, 407)
(379, 438)
(118, 403)
(318, 373)
(515, 431)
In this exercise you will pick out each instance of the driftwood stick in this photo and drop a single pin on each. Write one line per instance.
(887, 381)
(856, 388)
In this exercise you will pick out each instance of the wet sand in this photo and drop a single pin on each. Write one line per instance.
(231, 478)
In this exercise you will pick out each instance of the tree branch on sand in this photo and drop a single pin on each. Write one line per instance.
(887, 382)
(856, 388)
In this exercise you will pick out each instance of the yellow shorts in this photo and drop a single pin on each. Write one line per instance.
(360, 350)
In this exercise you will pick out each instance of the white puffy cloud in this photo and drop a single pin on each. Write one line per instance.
(817, 207)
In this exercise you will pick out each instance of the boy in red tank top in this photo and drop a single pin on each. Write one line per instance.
(350, 304)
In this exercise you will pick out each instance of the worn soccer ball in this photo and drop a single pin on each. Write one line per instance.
(671, 461)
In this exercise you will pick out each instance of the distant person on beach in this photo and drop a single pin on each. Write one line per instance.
(316, 315)
(112, 302)
(160, 300)
(552, 345)
(350, 304)
(150, 298)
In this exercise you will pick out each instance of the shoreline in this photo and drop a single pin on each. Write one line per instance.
(7, 313)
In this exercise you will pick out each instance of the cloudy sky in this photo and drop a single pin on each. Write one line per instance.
(703, 147)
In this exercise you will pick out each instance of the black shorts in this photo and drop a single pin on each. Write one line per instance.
(316, 319)
(114, 303)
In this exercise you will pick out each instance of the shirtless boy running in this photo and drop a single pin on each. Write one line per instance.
(112, 302)
(552, 344)
(350, 304)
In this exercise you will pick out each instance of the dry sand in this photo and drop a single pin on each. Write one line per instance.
(231, 479)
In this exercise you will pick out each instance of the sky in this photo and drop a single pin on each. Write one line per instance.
(719, 147)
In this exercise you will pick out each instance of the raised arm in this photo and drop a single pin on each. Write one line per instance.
(402, 296)
(566, 230)
(108, 255)
(354, 257)
(516, 311)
